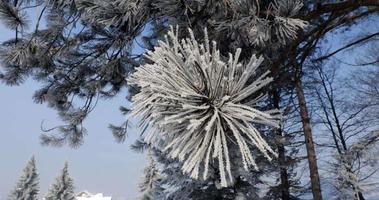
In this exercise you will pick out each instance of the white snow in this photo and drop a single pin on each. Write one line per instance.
(88, 196)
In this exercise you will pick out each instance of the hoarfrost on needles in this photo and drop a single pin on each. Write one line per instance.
(196, 104)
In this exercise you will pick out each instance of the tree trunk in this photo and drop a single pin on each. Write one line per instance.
(312, 161)
(284, 182)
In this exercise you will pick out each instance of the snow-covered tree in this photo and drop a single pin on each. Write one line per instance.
(149, 183)
(350, 125)
(174, 184)
(63, 188)
(27, 187)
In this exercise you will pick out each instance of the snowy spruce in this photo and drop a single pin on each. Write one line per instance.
(27, 187)
(63, 188)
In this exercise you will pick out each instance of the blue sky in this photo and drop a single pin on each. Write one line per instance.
(100, 165)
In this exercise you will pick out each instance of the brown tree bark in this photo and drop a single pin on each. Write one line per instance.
(312, 160)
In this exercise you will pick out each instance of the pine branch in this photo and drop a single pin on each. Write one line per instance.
(12, 17)
(192, 101)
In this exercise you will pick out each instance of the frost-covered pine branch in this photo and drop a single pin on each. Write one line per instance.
(75, 67)
(272, 23)
(285, 24)
(197, 104)
(12, 16)
(111, 13)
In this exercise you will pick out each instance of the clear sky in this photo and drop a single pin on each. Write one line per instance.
(99, 165)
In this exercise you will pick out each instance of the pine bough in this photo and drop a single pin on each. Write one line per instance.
(195, 105)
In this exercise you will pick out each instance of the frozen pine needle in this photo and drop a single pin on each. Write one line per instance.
(194, 103)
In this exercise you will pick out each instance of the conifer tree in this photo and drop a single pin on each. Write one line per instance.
(27, 187)
(148, 185)
(63, 188)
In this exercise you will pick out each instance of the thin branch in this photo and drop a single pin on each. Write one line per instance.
(345, 47)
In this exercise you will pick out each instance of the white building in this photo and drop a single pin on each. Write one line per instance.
(85, 195)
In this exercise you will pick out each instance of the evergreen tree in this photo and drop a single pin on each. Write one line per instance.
(149, 182)
(63, 188)
(27, 187)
